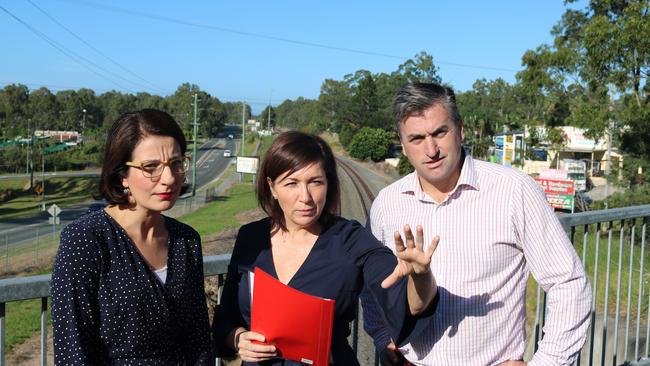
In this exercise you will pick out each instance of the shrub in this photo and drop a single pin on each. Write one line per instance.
(404, 167)
(371, 143)
(346, 134)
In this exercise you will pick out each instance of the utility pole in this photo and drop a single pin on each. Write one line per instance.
(196, 125)
(31, 156)
(608, 167)
(243, 128)
(83, 121)
(268, 124)
(42, 178)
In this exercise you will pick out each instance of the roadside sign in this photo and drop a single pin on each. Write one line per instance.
(556, 186)
(54, 210)
(247, 164)
(38, 189)
(558, 174)
(560, 201)
(559, 193)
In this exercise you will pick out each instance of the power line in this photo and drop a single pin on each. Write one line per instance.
(61, 48)
(94, 48)
(116, 9)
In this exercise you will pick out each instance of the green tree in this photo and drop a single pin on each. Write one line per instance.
(13, 107)
(420, 69)
(404, 166)
(371, 143)
(267, 116)
(214, 116)
(600, 58)
(43, 109)
(234, 111)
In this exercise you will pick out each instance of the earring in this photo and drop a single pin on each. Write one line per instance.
(126, 191)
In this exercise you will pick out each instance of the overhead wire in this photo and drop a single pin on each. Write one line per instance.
(67, 52)
(116, 9)
(95, 48)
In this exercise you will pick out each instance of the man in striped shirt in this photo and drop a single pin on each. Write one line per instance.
(495, 227)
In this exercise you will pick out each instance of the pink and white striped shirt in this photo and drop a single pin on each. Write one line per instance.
(495, 227)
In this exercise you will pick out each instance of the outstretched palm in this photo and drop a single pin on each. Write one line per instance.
(411, 256)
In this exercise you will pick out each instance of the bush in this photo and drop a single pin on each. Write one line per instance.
(404, 167)
(371, 143)
(346, 134)
(632, 197)
(252, 137)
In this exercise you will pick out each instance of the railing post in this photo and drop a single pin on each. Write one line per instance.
(594, 290)
(629, 291)
(44, 331)
(2, 334)
(640, 295)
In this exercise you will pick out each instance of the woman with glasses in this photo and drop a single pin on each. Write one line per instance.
(127, 283)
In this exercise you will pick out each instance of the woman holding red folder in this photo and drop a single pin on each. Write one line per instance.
(307, 246)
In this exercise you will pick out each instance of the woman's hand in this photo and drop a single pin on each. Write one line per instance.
(411, 258)
(250, 351)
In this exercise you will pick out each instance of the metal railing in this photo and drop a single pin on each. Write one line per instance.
(591, 232)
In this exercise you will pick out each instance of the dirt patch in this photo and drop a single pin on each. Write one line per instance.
(27, 264)
(28, 353)
(224, 241)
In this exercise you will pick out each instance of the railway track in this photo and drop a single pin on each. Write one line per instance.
(366, 195)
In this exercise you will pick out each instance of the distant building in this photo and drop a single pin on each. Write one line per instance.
(69, 137)
(510, 149)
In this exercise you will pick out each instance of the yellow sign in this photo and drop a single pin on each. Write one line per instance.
(38, 189)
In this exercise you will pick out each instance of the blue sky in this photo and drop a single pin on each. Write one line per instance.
(231, 48)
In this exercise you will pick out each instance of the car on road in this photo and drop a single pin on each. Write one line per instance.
(227, 154)
(230, 136)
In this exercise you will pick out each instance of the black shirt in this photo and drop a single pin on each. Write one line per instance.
(344, 258)
(110, 308)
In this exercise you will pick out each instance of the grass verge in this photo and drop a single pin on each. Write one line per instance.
(23, 319)
(66, 191)
(218, 215)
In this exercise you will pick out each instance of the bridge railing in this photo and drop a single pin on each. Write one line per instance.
(610, 242)
(612, 245)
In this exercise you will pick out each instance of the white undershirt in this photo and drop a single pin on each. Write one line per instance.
(162, 274)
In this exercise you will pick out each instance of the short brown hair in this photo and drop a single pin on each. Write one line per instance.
(414, 99)
(290, 152)
(123, 136)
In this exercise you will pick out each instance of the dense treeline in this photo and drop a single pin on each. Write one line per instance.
(23, 111)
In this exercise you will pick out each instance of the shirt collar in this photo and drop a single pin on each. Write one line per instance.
(468, 178)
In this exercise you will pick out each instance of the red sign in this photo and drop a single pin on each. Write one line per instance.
(561, 201)
(555, 186)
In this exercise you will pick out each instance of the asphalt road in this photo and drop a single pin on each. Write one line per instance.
(210, 162)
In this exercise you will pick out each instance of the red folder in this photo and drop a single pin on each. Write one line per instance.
(298, 324)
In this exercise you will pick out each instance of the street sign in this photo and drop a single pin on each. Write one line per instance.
(54, 210)
(38, 189)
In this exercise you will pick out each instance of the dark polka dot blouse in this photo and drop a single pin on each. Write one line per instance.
(110, 308)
